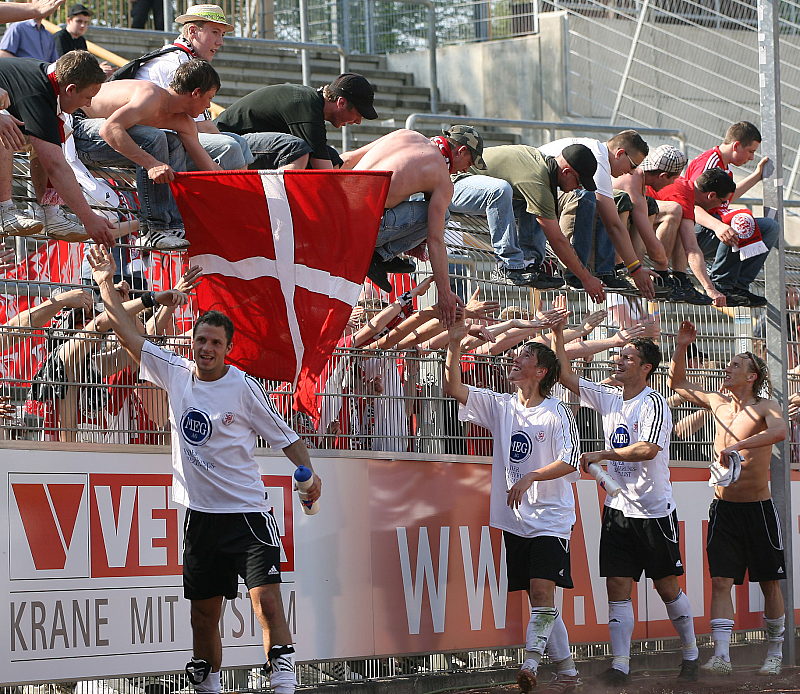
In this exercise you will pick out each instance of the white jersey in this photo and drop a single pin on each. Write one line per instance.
(602, 177)
(161, 70)
(214, 427)
(646, 489)
(527, 439)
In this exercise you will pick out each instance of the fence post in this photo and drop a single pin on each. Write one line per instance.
(631, 52)
(304, 66)
(775, 272)
(433, 71)
(169, 15)
(369, 28)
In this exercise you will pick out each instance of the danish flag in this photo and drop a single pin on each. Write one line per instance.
(284, 256)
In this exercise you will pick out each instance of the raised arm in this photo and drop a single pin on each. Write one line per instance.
(439, 201)
(747, 183)
(453, 385)
(567, 377)
(20, 11)
(688, 390)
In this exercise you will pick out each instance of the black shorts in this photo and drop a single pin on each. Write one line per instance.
(536, 557)
(220, 547)
(652, 206)
(629, 546)
(745, 536)
(275, 150)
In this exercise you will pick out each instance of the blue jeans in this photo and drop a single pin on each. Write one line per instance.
(586, 231)
(493, 198)
(403, 227)
(727, 269)
(158, 205)
(229, 150)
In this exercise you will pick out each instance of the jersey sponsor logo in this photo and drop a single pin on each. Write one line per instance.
(227, 418)
(620, 437)
(520, 447)
(196, 426)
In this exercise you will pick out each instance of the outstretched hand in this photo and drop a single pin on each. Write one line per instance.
(687, 334)
(476, 308)
(102, 264)
(190, 279)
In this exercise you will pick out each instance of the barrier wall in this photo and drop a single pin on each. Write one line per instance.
(399, 560)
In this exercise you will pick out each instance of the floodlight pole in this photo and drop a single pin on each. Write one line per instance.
(769, 74)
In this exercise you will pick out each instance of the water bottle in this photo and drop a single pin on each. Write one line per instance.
(604, 480)
(304, 478)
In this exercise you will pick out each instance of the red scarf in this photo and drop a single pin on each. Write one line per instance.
(51, 77)
(749, 241)
(444, 148)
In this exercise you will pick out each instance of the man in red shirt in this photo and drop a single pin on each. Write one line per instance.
(730, 273)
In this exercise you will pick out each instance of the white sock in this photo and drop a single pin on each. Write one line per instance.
(620, 628)
(680, 612)
(775, 629)
(558, 648)
(211, 684)
(538, 632)
(721, 634)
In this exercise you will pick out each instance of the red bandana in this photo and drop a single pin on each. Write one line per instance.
(444, 148)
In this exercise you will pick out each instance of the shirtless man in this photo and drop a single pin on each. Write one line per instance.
(418, 165)
(744, 532)
(124, 124)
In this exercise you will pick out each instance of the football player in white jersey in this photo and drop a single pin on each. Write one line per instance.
(216, 414)
(640, 526)
(534, 463)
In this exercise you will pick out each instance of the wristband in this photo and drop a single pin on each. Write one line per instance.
(148, 299)
(634, 266)
(405, 299)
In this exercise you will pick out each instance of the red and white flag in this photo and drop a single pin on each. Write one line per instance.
(284, 255)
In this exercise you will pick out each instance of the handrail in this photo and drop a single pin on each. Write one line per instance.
(547, 126)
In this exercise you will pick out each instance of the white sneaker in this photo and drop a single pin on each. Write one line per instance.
(59, 225)
(14, 223)
(717, 665)
(771, 666)
(162, 240)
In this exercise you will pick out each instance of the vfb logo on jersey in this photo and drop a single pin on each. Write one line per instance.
(620, 437)
(520, 447)
(196, 426)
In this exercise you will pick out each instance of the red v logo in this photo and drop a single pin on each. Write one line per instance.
(48, 513)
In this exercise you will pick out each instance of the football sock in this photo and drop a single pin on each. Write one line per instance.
(680, 612)
(721, 634)
(620, 628)
(775, 629)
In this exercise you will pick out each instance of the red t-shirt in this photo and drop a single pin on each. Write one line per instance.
(681, 190)
(711, 159)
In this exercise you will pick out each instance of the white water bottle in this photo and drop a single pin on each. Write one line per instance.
(604, 480)
(304, 478)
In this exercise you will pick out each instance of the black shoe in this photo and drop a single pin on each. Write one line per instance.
(378, 275)
(689, 295)
(663, 284)
(689, 670)
(756, 300)
(733, 297)
(398, 265)
(540, 279)
(505, 275)
(613, 677)
(615, 283)
(574, 282)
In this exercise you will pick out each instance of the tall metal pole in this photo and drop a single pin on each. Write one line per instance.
(169, 15)
(305, 67)
(775, 270)
(629, 62)
(433, 72)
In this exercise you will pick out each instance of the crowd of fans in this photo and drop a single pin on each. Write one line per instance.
(630, 224)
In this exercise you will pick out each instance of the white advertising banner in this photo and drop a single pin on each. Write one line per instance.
(400, 559)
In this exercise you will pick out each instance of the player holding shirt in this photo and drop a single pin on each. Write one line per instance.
(640, 526)
(216, 413)
(535, 461)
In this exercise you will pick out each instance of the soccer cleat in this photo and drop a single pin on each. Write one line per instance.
(526, 679)
(717, 665)
(14, 223)
(58, 225)
(689, 670)
(613, 677)
(162, 240)
(771, 666)
(562, 684)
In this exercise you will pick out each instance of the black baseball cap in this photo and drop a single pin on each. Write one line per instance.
(358, 91)
(77, 8)
(580, 158)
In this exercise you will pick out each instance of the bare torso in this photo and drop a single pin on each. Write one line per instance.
(734, 424)
(416, 164)
(149, 101)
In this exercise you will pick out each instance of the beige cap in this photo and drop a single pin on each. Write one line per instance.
(204, 13)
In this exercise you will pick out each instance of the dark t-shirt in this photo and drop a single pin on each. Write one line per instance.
(33, 100)
(280, 108)
(66, 43)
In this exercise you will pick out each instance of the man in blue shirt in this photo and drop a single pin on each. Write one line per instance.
(28, 39)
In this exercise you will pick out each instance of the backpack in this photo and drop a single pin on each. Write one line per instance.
(129, 70)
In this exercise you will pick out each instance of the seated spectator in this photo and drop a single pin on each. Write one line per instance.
(737, 255)
(124, 124)
(520, 181)
(28, 39)
(284, 124)
(418, 165)
(71, 37)
(619, 155)
(39, 93)
(203, 29)
(140, 10)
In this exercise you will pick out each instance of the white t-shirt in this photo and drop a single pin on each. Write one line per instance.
(161, 70)
(646, 489)
(214, 427)
(602, 177)
(527, 439)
